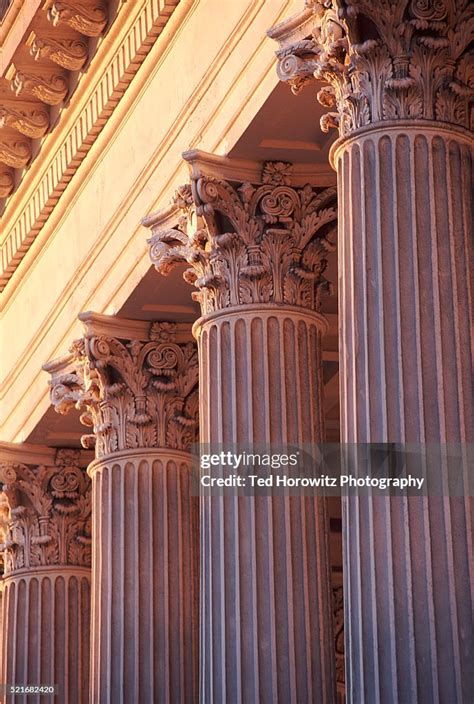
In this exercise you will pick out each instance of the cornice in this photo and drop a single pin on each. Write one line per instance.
(16, 20)
(112, 70)
(262, 78)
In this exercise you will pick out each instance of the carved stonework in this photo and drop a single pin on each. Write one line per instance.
(257, 243)
(338, 606)
(50, 90)
(68, 53)
(132, 393)
(7, 183)
(15, 153)
(32, 123)
(277, 172)
(88, 19)
(49, 514)
(385, 60)
(4, 521)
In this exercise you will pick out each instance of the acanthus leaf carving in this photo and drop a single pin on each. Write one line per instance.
(7, 183)
(261, 243)
(47, 519)
(51, 89)
(410, 59)
(32, 123)
(89, 19)
(15, 152)
(68, 53)
(132, 393)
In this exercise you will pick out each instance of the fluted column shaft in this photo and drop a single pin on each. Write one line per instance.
(46, 546)
(137, 391)
(406, 306)
(266, 629)
(46, 622)
(145, 574)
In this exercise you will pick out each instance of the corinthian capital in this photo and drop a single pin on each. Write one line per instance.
(249, 242)
(384, 60)
(135, 388)
(46, 511)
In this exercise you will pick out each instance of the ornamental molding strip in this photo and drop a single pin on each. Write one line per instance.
(380, 61)
(45, 512)
(101, 90)
(132, 390)
(247, 243)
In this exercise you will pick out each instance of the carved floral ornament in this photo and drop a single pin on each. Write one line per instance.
(89, 19)
(132, 393)
(71, 54)
(386, 60)
(32, 123)
(45, 514)
(250, 243)
(7, 183)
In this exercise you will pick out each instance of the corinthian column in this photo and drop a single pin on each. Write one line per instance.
(47, 567)
(136, 387)
(257, 255)
(398, 78)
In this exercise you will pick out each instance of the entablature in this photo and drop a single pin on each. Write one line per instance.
(41, 108)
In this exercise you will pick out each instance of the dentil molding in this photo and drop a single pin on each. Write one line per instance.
(101, 90)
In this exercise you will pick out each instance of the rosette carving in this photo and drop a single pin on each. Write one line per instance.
(46, 519)
(132, 393)
(256, 243)
(385, 60)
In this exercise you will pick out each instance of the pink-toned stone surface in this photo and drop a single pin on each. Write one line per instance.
(47, 575)
(405, 258)
(135, 383)
(145, 578)
(398, 85)
(257, 257)
(266, 617)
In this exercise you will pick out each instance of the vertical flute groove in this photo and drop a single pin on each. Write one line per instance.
(406, 291)
(143, 589)
(259, 630)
